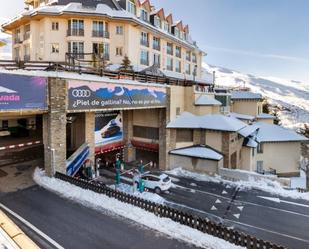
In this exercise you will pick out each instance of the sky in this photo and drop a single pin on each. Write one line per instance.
(260, 37)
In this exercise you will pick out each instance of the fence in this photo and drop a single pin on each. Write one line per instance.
(201, 224)
(87, 66)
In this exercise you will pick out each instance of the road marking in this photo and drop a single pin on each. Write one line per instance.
(224, 192)
(218, 201)
(236, 215)
(32, 227)
(213, 208)
(240, 208)
(279, 201)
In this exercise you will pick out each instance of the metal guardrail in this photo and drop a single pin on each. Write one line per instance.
(193, 221)
(90, 66)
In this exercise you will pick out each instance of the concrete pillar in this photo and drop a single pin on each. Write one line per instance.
(54, 128)
(170, 134)
(129, 151)
(199, 137)
(226, 149)
(162, 140)
(89, 133)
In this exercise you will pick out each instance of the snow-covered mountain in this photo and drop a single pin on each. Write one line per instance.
(6, 51)
(291, 97)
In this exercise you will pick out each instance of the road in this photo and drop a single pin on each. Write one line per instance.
(252, 211)
(74, 226)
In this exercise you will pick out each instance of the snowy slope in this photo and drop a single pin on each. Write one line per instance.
(6, 51)
(292, 97)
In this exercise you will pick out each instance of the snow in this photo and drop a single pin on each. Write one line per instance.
(209, 122)
(241, 116)
(266, 185)
(265, 116)
(199, 152)
(5, 51)
(291, 96)
(248, 130)
(207, 100)
(245, 95)
(275, 133)
(112, 206)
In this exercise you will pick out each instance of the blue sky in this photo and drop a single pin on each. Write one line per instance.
(262, 37)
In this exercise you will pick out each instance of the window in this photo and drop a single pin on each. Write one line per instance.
(144, 39)
(146, 132)
(27, 53)
(188, 68)
(145, 58)
(178, 66)
(177, 111)
(169, 64)
(167, 27)
(169, 48)
(55, 48)
(157, 59)
(97, 29)
(194, 60)
(178, 52)
(177, 32)
(259, 167)
(55, 26)
(76, 28)
(260, 148)
(157, 22)
(76, 48)
(119, 51)
(5, 124)
(27, 32)
(184, 135)
(119, 30)
(106, 51)
(188, 56)
(131, 7)
(156, 43)
(144, 15)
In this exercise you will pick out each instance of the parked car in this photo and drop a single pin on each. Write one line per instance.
(157, 182)
(111, 131)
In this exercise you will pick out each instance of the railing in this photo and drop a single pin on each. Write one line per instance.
(202, 224)
(156, 47)
(17, 40)
(145, 62)
(75, 32)
(101, 34)
(75, 161)
(145, 43)
(26, 36)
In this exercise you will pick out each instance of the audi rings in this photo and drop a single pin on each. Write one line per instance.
(78, 93)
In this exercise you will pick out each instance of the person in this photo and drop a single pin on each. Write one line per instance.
(141, 167)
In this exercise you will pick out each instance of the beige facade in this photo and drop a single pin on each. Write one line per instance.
(247, 107)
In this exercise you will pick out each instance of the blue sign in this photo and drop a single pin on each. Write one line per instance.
(21, 92)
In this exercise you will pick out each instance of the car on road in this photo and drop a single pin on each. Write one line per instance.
(157, 182)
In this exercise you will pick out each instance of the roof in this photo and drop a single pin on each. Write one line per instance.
(241, 116)
(245, 95)
(249, 142)
(275, 133)
(208, 122)
(207, 100)
(265, 116)
(200, 151)
(248, 130)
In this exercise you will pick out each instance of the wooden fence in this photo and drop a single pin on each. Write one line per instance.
(193, 221)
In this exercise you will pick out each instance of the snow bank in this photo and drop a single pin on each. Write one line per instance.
(103, 203)
(266, 185)
(145, 195)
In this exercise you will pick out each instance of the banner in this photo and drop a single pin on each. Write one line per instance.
(94, 95)
(20, 92)
(108, 128)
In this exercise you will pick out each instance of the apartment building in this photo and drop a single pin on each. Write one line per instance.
(109, 29)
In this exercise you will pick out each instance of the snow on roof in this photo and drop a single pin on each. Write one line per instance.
(241, 116)
(265, 116)
(200, 151)
(249, 142)
(248, 130)
(245, 95)
(209, 122)
(207, 100)
(275, 133)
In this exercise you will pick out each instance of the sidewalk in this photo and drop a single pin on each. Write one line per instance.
(12, 237)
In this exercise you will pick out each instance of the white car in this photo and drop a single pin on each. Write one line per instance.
(157, 182)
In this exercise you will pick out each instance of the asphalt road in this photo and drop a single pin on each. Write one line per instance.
(74, 226)
(285, 223)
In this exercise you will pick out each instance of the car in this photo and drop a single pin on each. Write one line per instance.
(111, 131)
(157, 182)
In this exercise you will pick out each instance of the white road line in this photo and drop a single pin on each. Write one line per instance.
(32, 227)
(278, 200)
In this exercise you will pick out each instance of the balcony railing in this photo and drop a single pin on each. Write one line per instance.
(26, 36)
(145, 62)
(27, 57)
(156, 46)
(75, 32)
(178, 54)
(169, 68)
(145, 43)
(177, 70)
(101, 34)
(170, 51)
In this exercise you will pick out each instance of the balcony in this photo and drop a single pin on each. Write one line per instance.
(17, 40)
(156, 47)
(75, 32)
(145, 62)
(100, 34)
(26, 36)
(145, 43)
(27, 57)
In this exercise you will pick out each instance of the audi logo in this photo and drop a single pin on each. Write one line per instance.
(81, 93)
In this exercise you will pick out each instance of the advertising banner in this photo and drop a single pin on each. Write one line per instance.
(94, 95)
(108, 128)
(21, 92)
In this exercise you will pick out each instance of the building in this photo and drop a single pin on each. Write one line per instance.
(107, 29)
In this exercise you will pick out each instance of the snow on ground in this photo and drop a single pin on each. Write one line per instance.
(266, 185)
(292, 96)
(105, 204)
(145, 195)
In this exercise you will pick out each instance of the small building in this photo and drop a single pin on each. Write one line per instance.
(248, 103)
(266, 118)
